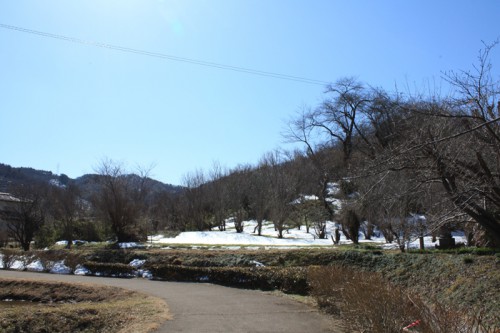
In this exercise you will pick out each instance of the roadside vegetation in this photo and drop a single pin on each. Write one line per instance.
(431, 286)
(34, 306)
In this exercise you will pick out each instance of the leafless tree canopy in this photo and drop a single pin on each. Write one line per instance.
(27, 216)
(438, 156)
(122, 200)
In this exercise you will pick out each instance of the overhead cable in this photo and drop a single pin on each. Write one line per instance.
(166, 56)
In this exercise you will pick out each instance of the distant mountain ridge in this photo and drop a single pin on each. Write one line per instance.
(12, 176)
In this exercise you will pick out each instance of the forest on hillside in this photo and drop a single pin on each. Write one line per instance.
(390, 155)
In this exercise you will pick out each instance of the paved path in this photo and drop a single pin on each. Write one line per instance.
(201, 307)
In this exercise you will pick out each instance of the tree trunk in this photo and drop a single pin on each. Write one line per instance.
(421, 242)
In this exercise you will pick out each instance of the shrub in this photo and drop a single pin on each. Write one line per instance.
(49, 258)
(109, 269)
(368, 303)
(350, 224)
(122, 256)
(468, 260)
(26, 258)
(8, 257)
(364, 300)
(72, 260)
(289, 280)
(440, 318)
(45, 237)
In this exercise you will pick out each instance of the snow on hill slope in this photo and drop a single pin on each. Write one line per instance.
(292, 238)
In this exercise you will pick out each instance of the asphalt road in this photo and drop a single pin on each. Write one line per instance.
(203, 307)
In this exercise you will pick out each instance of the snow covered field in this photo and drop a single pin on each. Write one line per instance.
(230, 237)
(292, 238)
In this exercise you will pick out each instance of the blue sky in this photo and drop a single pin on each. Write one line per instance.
(65, 106)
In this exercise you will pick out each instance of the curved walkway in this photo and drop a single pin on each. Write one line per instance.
(202, 307)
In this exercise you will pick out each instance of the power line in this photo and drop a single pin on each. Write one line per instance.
(166, 56)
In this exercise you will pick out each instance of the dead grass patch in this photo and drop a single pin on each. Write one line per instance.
(61, 307)
(368, 303)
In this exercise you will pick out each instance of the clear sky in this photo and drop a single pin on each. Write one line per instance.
(65, 106)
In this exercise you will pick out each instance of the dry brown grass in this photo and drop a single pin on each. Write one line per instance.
(363, 300)
(60, 307)
(368, 303)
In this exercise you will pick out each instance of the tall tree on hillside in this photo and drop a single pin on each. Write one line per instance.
(121, 200)
(238, 185)
(283, 189)
(322, 156)
(66, 207)
(196, 202)
(453, 142)
(340, 116)
(219, 195)
(472, 179)
(165, 212)
(340, 121)
(258, 196)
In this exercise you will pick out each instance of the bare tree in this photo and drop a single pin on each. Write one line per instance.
(472, 179)
(258, 196)
(324, 158)
(283, 189)
(121, 200)
(28, 215)
(311, 212)
(66, 208)
(238, 199)
(448, 149)
(340, 117)
(339, 121)
(197, 209)
(219, 195)
(165, 212)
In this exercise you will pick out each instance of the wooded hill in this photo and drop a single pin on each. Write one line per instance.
(391, 155)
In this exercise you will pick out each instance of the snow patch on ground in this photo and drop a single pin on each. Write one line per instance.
(60, 268)
(295, 237)
(80, 270)
(75, 242)
(131, 245)
(136, 263)
(23, 263)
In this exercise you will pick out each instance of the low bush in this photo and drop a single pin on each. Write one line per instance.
(368, 303)
(365, 301)
(49, 258)
(72, 260)
(288, 280)
(113, 256)
(479, 251)
(8, 257)
(109, 269)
